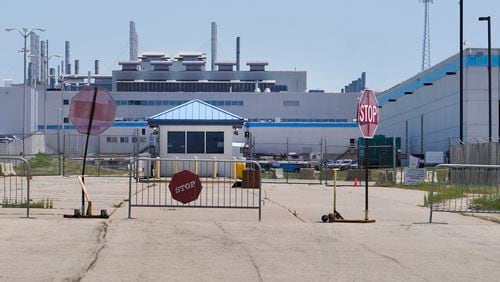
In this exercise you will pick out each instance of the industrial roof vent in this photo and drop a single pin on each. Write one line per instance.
(257, 65)
(161, 65)
(153, 56)
(190, 56)
(130, 65)
(225, 65)
(194, 65)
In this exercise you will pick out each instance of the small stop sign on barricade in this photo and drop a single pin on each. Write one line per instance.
(368, 113)
(185, 186)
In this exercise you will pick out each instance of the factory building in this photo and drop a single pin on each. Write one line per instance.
(425, 109)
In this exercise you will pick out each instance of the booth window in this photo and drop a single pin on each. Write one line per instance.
(215, 142)
(195, 142)
(176, 142)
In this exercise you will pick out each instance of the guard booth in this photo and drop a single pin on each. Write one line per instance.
(196, 130)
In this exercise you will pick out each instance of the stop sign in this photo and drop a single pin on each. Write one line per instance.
(368, 113)
(185, 186)
(80, 110)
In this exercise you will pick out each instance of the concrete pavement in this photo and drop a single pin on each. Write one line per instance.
(290, 244)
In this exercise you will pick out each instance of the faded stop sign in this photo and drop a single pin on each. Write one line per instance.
(185, 186)
(80, 110)
(368, 113)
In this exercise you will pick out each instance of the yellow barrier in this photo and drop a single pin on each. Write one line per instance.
(240, 167)
(214, 168)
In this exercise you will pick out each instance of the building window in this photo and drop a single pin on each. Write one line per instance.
(196, 142)
(215, 142)
(123, 139)
(111, 139)
(66, 120)
(291, 103)
(176, 142)
(66, 101)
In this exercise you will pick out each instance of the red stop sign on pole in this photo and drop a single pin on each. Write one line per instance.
(368, 113)
(80, 110)
(185, 186)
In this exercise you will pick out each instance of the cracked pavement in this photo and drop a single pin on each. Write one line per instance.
(290, 244)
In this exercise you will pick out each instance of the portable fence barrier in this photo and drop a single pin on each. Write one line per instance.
(465, 188)
(195, 183)
(15, 173)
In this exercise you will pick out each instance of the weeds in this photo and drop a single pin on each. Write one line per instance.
(45, 203)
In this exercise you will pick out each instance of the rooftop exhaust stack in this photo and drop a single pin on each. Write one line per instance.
(96, 67)
(134, 42)
(42, 61)
(238, 53)
(77, 66)
(214, 45)
(66, 58)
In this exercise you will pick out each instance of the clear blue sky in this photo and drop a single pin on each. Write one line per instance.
(334, 40)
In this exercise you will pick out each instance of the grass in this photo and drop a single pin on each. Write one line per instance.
(44, 164)
(486, 203)
(45, 203)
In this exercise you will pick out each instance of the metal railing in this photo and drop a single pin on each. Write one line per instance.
(15, 173)
(232, 184)
(465, 188)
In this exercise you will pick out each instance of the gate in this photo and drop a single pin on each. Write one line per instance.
(15, 173)
(232, 184)
(465, 188)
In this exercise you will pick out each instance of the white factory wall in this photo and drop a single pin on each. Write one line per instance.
(11, 107)
(437, 106)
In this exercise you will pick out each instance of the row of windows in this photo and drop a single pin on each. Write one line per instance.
(66, 120)
(195, 142)
(125, 139)
(152, 86)
(299, 120)
(174, 102)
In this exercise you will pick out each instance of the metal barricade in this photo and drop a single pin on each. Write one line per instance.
(15, 173)
(465, 188)
(232, 184)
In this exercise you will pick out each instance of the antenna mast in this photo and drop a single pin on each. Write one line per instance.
(426, 45)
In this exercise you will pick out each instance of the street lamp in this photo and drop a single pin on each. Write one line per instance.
(488, 19)
(25, 33)
(46, 79)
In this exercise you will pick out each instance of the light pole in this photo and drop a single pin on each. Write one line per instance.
(488, 19)
(25, 33)
(46, 79)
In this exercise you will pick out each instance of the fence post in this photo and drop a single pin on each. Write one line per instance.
(214, 168)
(132, 164)
(394, 178)
(233, 168)
(157, 168)
(321, 160)
(195, 164)
(176, 165)
(431, 196)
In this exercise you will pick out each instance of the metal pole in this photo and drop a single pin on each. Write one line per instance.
(91, 119)
(46, 78)
(366, 179)
(24, 92)
(133, 163)
(422, 134)
(59, 143)
(334, 192)
(286, 158)
(461, 70)
(321, 160)
(394, 160)
(489, 81)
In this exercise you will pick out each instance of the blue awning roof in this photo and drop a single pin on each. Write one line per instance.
(195, 112)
